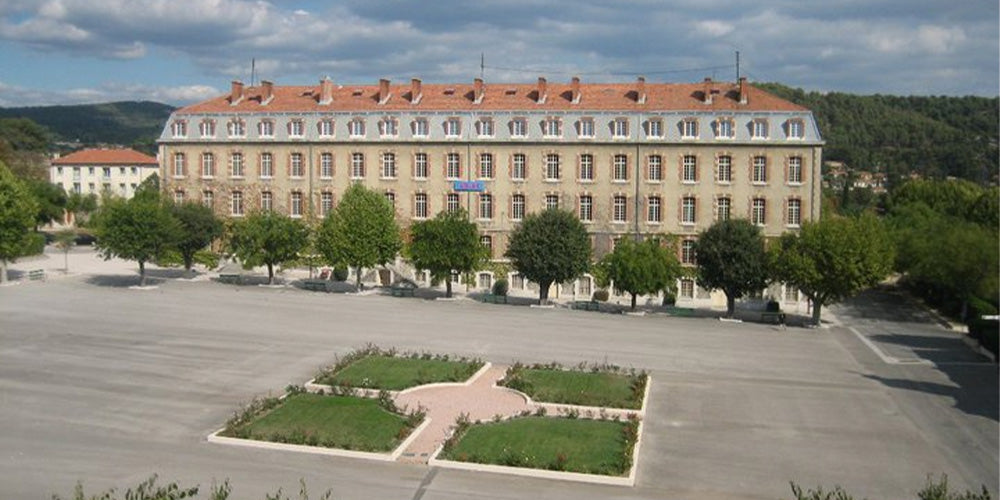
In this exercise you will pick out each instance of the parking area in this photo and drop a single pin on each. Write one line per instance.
(107, 384)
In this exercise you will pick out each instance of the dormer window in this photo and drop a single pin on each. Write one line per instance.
(237, 128)
(654, 128)
(796, 129)
(758, 128)
(552, 127)
(356, 127)
(296, 128)
(179, 129)
(207, 128)
(689, 128)
(619, 128)
(724, 128)
(484, 127)
(519, 127)
(325, 128)
(420, 127)
(388, 127)
(266, 128)
(453, 127)
(586, 130)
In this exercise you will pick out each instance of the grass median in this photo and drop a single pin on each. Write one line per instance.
(608, 389)
(396, 373)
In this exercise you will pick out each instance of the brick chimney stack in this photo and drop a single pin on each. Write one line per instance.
(268, 92)
(383, 90)
(236, 93)
(325, 91)
(416, 90)
(706, 90)
(574, 86)
(744, 91)
(477, 91)
(640, 90)
(542, 90)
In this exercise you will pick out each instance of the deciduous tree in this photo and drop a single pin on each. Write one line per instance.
(446, 243)
(199, 228)
(17, 218)
(267, 239)
(639, 268)
(548, 247)
(361, 232)
(138, 229)
(731, 258)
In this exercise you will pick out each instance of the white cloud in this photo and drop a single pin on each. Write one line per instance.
(13, 95)
(714, 28)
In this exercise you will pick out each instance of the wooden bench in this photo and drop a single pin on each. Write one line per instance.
(587, 305)
(316, 285)
(777, 318)
(36, 274)
(234, 279)
(494, 299)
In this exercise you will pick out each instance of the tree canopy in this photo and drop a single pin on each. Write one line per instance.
(731, 258)
(361, 232)
(17, 218)
(640, 268)
(833, 259)
(139, 229)
(51, 200)
(199, 228)
(551, 246)
(446, 243)
(267, 239)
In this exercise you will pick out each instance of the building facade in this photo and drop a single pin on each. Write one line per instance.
(628, 158)
(96, 171)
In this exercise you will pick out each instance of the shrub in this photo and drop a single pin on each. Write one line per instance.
(772, 306)
(500, 287)
(669, 298)
(600, 295)
(36, 244)
(979, 308)
(340, 273)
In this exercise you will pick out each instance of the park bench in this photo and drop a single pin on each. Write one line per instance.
(403, 288)
(316, 285)
(494, 299)
(36, 274)
(776, 317)
(234, 279)
(587, 305)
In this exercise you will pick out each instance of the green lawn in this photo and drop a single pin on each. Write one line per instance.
(397, 373)
(612, 390)
(574, 445)
(332, 421)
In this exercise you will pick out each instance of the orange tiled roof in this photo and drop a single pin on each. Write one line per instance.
(498, 97)
(105, 157)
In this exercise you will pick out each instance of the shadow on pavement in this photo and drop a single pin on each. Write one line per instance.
(973, 392)
(120, 280)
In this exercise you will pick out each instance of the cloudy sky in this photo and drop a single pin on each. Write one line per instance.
(179, 51)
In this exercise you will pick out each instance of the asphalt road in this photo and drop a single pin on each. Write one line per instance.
(106, 384)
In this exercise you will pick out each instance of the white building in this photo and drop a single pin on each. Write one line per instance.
(94, 171)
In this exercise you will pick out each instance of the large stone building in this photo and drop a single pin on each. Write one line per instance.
(627, 157)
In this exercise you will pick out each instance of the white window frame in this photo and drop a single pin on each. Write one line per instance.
(724, 165)
(484, 127)
(796, 129)
(759, 169)
(552, 167)
(357, 165)
(453, 127)
(208, 198)
(552, 128)
(236, 128)
(295, 205)
(619, 128)
(758, 211)
(724, 128)
(654, 128)
(453, 202)
(178, 129)
(519, 166)
(237, 165)
(388, 165)
(266, 165)
(519, 128)
(654, 209)
(420, 206)
(296, 129)
(586, 208)
(207, 165)
(420, 165)
(236, 203)
(687, 252)
(552, 201)
(654, 168)
(266, 201)
(453, 166)
(296, 165)
(619, 167)
(518, 204)
(421, 128)
(689, 128)
(180, 161)
(325, 128)
(586, 128)
(619, 208)
(795, 170)
(689, 210)
(356, 128)
(265, 128)
(486, 170)
(207, 128)
(325, 203)
(759, 129)
(485, 206)
(326, 165)
(794, 215)
(388, 127)
(586, 168)
(724, 208)
(689, 169)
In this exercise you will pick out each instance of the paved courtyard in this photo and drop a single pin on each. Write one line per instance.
(107, 384)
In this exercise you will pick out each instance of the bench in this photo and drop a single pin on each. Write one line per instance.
(316, 285)
(494, 299)
(587, 305)
(401, 291)
(679, 311)
(36, 274)
(777, 318)
(234, 279)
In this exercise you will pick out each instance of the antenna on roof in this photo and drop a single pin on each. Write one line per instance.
(737, 65)
(482, 64)
(253, 70)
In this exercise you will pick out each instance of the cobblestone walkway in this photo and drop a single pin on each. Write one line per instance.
(480, 400)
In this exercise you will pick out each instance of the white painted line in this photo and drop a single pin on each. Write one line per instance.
(889, 360)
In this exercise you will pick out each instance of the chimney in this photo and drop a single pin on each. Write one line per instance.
(706, 91)
(416, 90)
(640, 91)
(542, 92)
(268, 92)
(477, 91)
(383, 91)
(325, 91)
(574, 86)
(744, 91)
(236, 94)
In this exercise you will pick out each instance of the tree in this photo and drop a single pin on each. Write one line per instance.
(51, 200)
(361, 232)
(548, 247)
(731, 258)
(833, 259)
(81, 206)
(446, 243)
(65, 240)
(640, 268)
(139, 229)
(199, 228)
(269, 239)
(17, 218)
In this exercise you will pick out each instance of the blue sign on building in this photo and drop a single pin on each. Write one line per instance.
(473, 186)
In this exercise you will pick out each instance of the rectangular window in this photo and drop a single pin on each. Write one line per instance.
(620, 167)
(266, 165)
(325, 203)
(794, 212)
(420, 127)
(178, 165)
(519, 167)
(586, 208)
(420, 165)
(391, 198)
(207, 165)
(517, 207)
(619, 128)
(795, 170)
(487, 242)
(207, 128)
(486, 166)
(326, 128)
(687, 252)
(795, 129)
(689, 169)
(586, 167)
(687, 289)
(452, 127)
(237, 128)
(551, 128)
(654, 209)
(724, 169)
(724, 128)
(758, 214)
(295, 128)
(655, 129)
(179, 129)
(236, 164)
(179, 197)
(388, 165)
(388, 127)
(296, 168)
(266, 128)
(452, 203)
(519, 128)
(587, 128)
(791, 293)
(551, 202)
(357, 165)
(356, 128)
(688, 210)
(619, 208)
(689, 129)
(420, 206)
(237, 203)
(759, 129)
(296, 205)
(654, 168)
(552, 167)
(759, 170)
(266, 201)
(453, 166)
(485, 206)
(208, 198)
(485, 127)
(724, 208)
(326, 165)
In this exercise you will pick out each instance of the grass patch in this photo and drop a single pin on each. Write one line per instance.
(597, 387)
(345, 422)
(388, 370)
(574, 445)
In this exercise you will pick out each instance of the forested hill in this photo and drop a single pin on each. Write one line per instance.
(934, 136)
(127, 123)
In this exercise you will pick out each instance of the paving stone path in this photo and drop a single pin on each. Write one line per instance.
(481, 400)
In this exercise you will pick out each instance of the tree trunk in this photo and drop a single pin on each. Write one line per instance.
(270, 273)
(3, 271)
(447, 287)
(730, 305)
(543, 293)
(188, 262)
(357, 277)
(965, 310)
(142, 273)
(817, 309)
(633, 301)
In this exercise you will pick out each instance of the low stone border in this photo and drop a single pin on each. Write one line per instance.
(579, 477)
(312, 386)
(555, 408)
